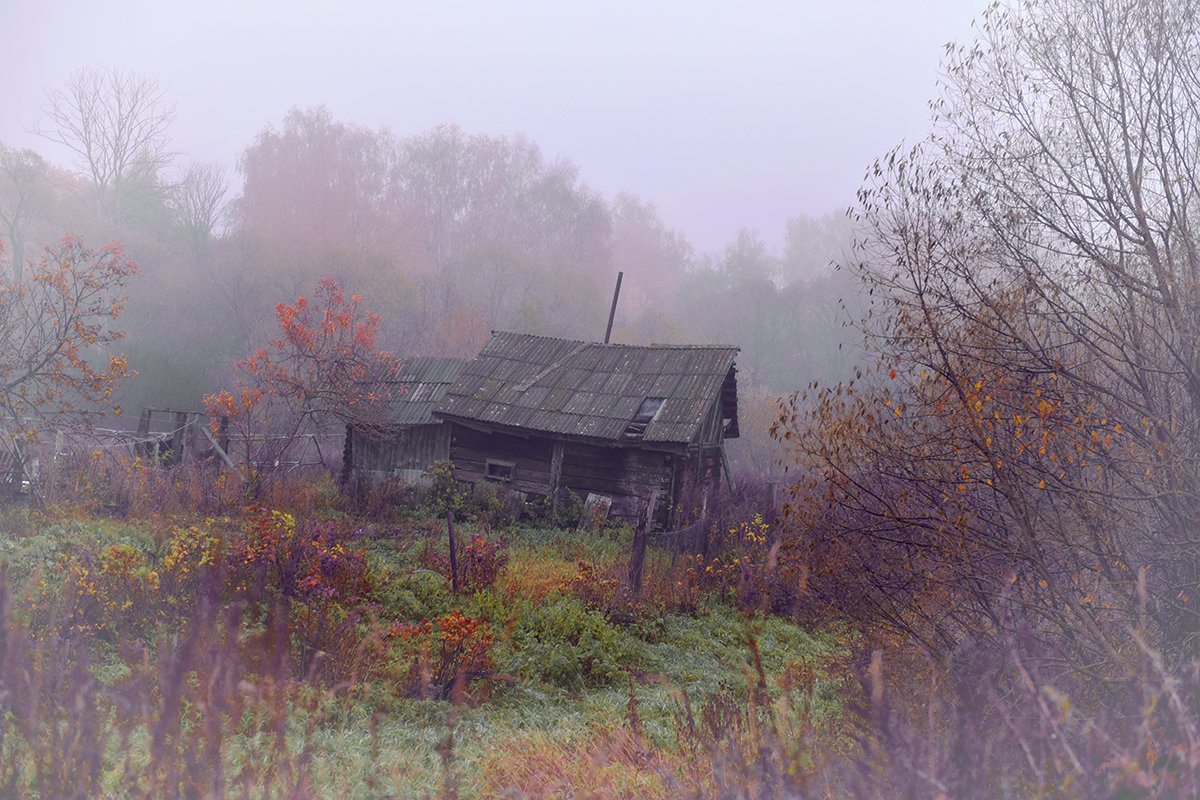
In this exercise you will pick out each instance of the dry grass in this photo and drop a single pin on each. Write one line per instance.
(535, 576)
(608, 763)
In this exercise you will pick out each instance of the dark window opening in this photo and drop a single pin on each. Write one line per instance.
(646, 412)
(500, 470)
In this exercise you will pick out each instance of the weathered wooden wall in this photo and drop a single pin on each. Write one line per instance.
(470, 450)
(413, 448)
(626, 474)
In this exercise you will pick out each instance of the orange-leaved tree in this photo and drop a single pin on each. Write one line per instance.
(55, 337)
(324, 366)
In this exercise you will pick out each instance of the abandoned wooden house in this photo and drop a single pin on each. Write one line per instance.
(410, 439)
(635, 424)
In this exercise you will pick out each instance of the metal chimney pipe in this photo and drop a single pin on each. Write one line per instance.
(612, 312)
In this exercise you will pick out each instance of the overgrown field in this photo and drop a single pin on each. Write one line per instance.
(165, 637)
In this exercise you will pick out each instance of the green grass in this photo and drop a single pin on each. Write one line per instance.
(379, 742)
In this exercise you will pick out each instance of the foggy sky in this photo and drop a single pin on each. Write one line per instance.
(723, 115)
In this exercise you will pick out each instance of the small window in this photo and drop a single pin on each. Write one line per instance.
(645, 414)
(500, 470)
(648, 409)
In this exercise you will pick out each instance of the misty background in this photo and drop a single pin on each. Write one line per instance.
(468, 167)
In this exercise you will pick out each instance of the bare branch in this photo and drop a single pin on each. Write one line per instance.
(116, 124)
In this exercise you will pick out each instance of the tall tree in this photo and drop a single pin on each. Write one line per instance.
(198, 200)
(324, 366)
(56, 333)
(1032, 452)
(22, 179)
(509, 237)
(315, 183)
(814, 246)
(116, 124)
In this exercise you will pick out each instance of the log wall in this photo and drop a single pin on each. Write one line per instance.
(626, 474)
(414, 448)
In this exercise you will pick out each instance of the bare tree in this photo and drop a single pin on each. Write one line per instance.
(198, 201)
(1034, 438)
(20, 173)
(115, 122)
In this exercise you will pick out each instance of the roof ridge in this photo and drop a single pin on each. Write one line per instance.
(654, 345)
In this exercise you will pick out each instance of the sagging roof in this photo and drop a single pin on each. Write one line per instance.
(593, 390)
(417, 386)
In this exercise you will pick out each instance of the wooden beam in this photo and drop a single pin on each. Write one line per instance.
(178, 438)
(725, 466)
(220, 450)
(556, 460)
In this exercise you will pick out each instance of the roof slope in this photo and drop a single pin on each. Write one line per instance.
(591, 390)
(417, 386)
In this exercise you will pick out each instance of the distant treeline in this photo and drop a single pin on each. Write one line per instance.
(446, 234)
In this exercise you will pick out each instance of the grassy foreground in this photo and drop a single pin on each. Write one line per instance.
(305, 646)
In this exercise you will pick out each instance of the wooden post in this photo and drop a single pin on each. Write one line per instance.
(348, 456)
(17, 475)
(144, 422)
(177, 438)
(217, 446)
(453, 551)
(556, 459)
(728, 471)
(641, 535)
(142, 447)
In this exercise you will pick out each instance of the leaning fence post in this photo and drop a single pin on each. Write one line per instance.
(641, 535)
(453, 549)
(772, 502)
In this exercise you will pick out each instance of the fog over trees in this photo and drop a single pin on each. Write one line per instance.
(447, 234)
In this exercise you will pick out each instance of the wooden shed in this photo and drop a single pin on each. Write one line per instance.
(410, 439)
(543, 415)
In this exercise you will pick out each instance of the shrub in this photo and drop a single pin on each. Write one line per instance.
(412, 596)
(493, 506)
(380, 500)
(565, 643)
(445, 650)
(567, 515)
(479, 563)
(445, 493)
(276, 557)
(606, 591)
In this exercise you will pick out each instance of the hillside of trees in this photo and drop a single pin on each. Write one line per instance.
(446, 235)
